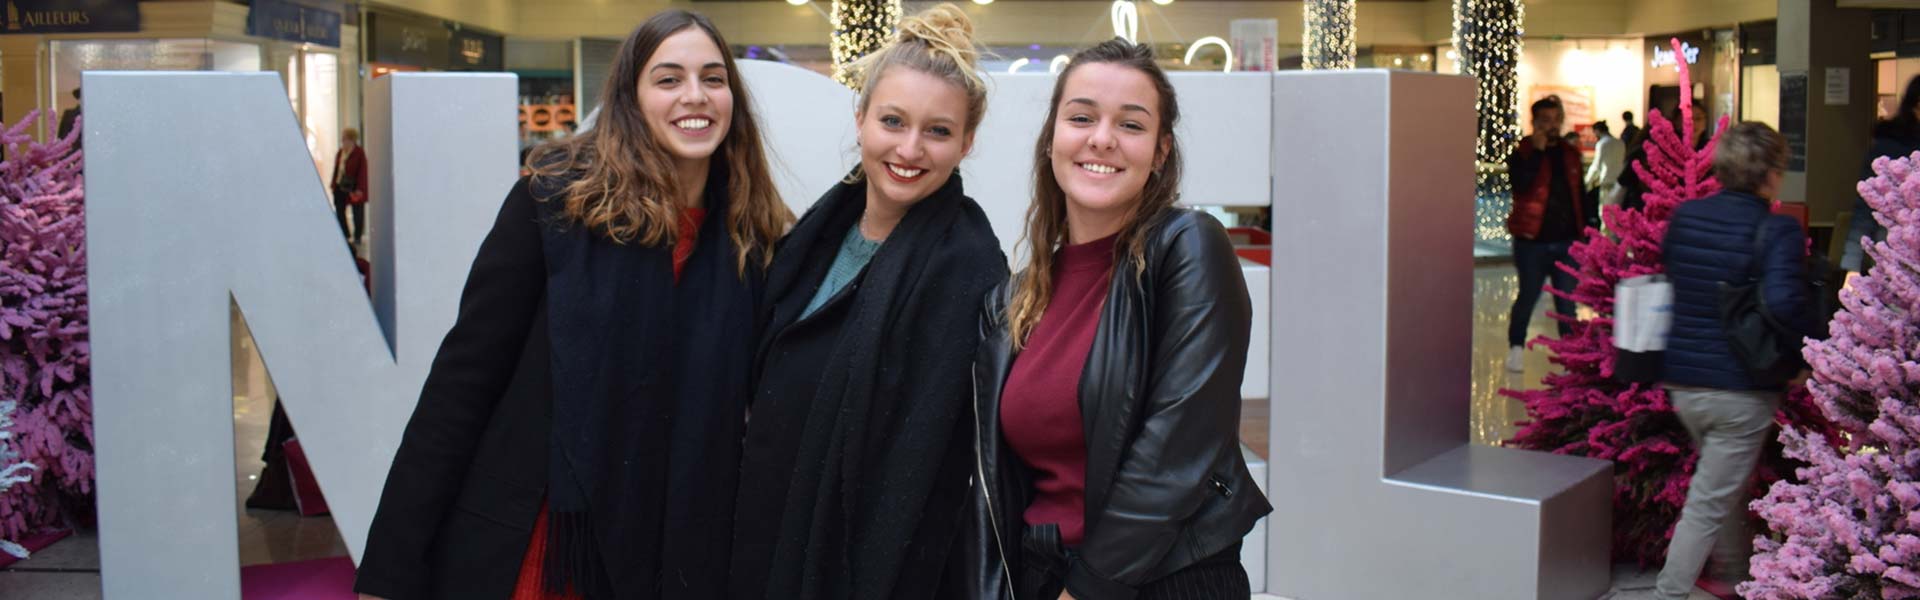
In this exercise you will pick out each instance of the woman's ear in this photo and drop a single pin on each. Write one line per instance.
(1160, 153)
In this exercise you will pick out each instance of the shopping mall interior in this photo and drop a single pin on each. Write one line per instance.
(1745, 60)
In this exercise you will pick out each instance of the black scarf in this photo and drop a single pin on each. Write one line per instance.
(649, 393)
(880, 472)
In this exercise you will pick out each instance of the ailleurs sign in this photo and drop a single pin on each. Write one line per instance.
(71, 16)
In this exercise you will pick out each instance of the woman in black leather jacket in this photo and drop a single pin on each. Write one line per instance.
(1108, 376)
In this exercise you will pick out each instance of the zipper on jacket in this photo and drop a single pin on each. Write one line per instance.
(980, 468)
(1220, 486)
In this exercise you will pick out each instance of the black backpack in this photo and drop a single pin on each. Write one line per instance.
(1767, 348)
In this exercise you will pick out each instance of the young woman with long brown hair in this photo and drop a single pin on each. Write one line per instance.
(578, 434)
(855, 476)
(1107, 384)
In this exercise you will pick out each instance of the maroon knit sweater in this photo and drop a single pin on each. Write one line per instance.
(1040, 407)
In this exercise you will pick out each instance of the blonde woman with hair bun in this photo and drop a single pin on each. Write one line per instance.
(858, 451)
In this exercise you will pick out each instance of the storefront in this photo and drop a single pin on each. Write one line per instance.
(322, 79)
(546, 72)
(1896, 54)
(1759, 75)
(310, 43)
(398, 42)
(1712, 57)
(1596, 79)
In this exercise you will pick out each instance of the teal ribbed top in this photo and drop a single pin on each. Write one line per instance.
(855, 251)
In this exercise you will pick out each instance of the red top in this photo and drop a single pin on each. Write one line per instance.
(683, 243)
(1040, 407)
(532, 566)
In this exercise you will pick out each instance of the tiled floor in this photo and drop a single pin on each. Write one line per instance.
(1493, 416)
(70, 569)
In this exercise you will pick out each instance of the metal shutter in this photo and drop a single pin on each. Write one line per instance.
(596, 59)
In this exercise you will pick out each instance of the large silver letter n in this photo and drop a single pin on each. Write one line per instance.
(199, 188)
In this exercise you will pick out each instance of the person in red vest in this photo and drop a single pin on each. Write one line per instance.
(350, 186)
(1549, 212)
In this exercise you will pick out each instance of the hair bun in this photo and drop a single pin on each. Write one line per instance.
(945, 28)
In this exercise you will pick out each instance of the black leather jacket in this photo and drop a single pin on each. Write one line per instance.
(1160, 405)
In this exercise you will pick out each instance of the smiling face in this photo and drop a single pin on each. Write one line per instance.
(912, 135)
(684, 96)
(1106, 142)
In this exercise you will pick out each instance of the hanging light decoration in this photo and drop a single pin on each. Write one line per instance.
(1487, 35)
(1212, 40)
(1328, 37)
(859, 28)
(1126, 20)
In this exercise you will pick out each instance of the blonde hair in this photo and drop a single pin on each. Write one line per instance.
(1746, 153)
(937, 41)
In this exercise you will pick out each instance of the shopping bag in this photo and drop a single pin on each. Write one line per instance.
(1642, 315)
(306, 490)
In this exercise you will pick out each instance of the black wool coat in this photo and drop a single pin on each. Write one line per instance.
(855, 468)
(472, 471)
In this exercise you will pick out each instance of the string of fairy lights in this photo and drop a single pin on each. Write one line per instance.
(1487, 37)
(1328, 37)
(859, 28)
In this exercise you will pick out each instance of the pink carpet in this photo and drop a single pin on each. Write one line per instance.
(323, 579)
(34, 544)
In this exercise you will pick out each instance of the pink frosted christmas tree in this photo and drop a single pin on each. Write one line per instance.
(1852, 529)
(43, 332)
(1583, 411)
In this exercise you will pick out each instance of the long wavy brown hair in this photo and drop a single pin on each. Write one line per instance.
(622, 181)
(1047, 216)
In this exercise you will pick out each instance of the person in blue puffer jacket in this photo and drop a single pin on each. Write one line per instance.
(1728, 412)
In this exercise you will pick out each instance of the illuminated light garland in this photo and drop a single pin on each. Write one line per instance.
(1328, 38)
(1211, 40)
(1058, 63)
(859, 28)
(1126, 20)
(1487, 35)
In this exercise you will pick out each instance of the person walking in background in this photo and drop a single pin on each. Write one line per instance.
(1549, 212)
(70, 117)
(1631, 133)
(1702, 125)
(350, 186)
(1106, 392)
(1726, 405)
(1609, 158)
(1895, 137)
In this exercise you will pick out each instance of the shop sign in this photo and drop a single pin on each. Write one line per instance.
(1664, 57)
(71, 16)
(476, 51)
(285, 20)
(397, 39)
